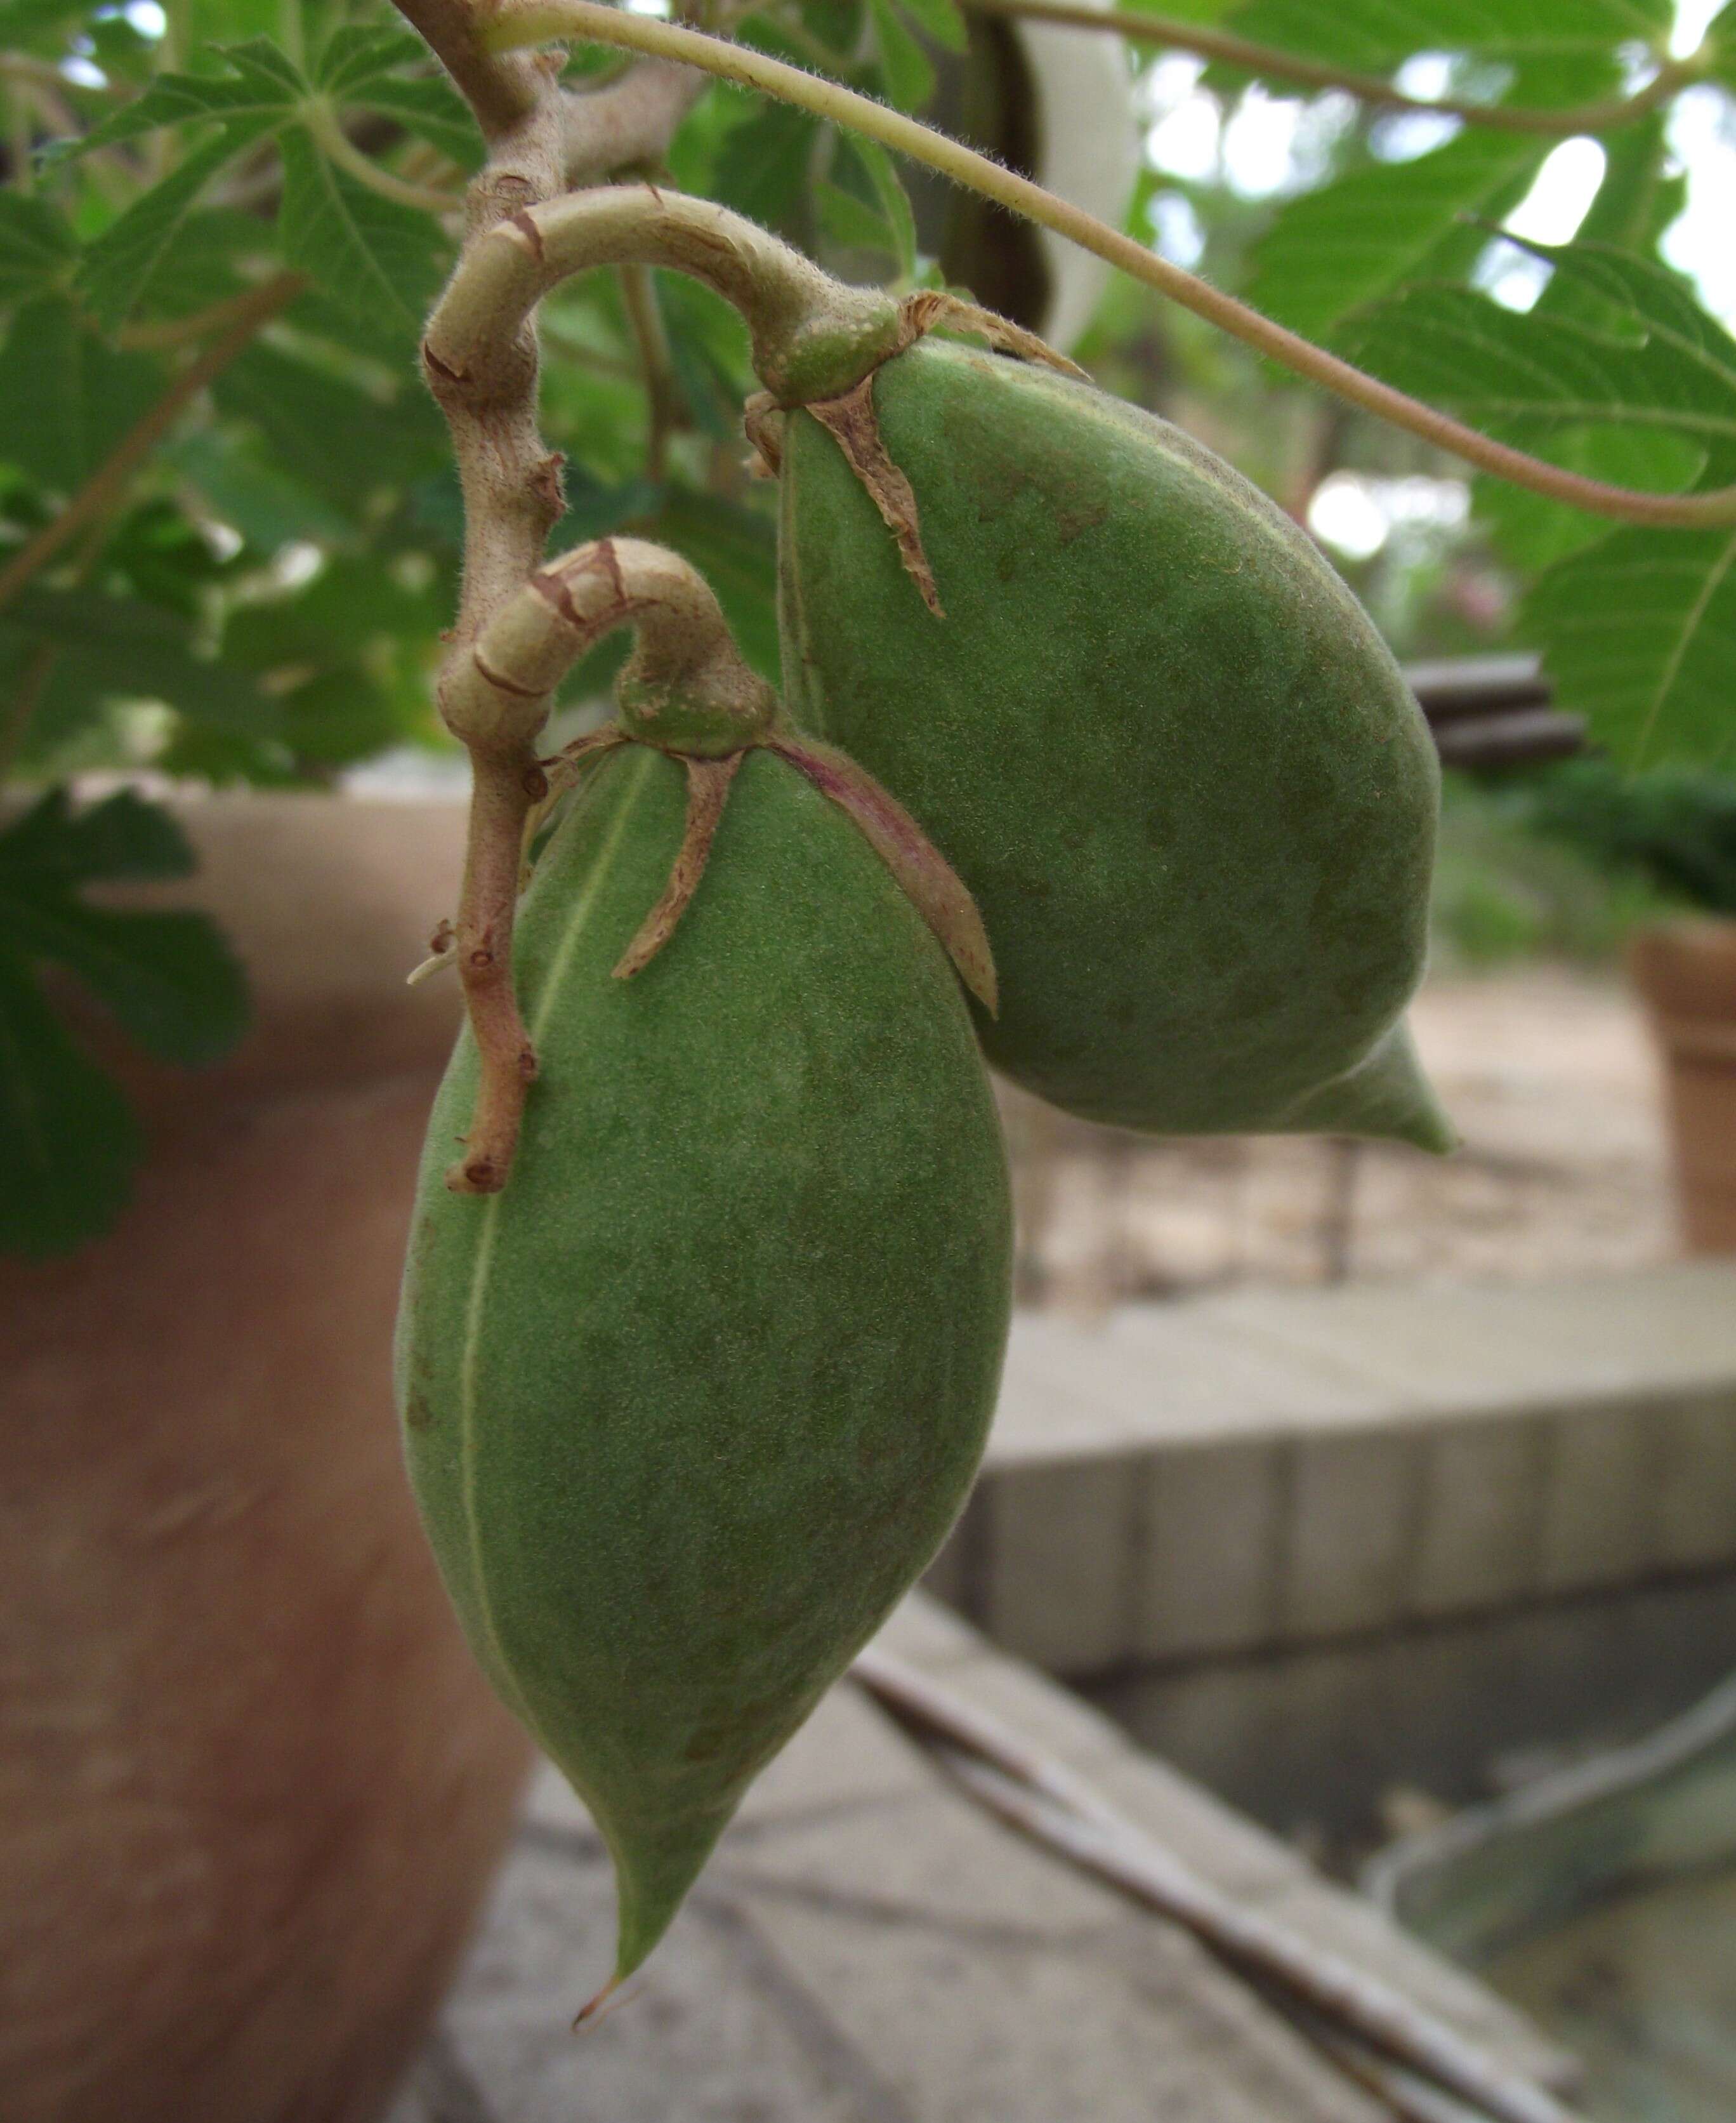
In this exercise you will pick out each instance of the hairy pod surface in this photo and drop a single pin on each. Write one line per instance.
(1153, 732)
(691, 1402)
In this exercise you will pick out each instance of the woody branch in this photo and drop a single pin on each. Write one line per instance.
(541, 137)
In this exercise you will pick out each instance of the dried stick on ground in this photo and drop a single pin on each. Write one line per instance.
(541, 137)
(1048, 1802)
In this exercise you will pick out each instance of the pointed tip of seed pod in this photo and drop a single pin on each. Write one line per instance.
(588, 2013)
(1386, 1095)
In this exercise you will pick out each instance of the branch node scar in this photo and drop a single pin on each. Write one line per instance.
(525, 223)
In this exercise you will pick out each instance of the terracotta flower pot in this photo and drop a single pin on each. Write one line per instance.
(1686, 971)
(251, 1786)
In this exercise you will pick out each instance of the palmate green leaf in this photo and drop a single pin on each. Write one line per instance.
(852, 223)
(167, 979)
(708, 350)
(895, 204)
(1656, 364)
(120, 267)
(248, 488)
(339, 717)
(66, 398)
(344, 444)
(67, 1144)
(116, 647)
(595, 509)
(184, 99)
(158, 552)
(762, 167)
(1329, 251)
(1638, 630)
(37, 247)
(118, 46)
(1720, 39)
(212, 22)
(904, 64)
(940, 20)
(1376, 229)
(215, 253)
(703, 357)
(1640, 195)
(1638, 635)
(380, 340)
(431, 108)
(258, 60)
(370, 255)
(363, 67)
(1373, 36)
(22, 19)
(361, 51)
(123, 841)
(354, 607)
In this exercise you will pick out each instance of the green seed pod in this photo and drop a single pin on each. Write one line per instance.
(691, 1404)
(1153, 731)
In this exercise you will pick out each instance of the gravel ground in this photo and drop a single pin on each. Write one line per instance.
(1550, 1076)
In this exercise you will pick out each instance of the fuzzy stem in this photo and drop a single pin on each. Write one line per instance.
(629, 124)
(805, 326)
(539, 135)
(1275, 65)
(502, 91)
(534, 21)
(504, 787)
(495, 695)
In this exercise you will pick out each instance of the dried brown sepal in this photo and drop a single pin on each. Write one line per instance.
(762, 423)
(936, 310)
(928, 881)
(852, 423)
(708, 791)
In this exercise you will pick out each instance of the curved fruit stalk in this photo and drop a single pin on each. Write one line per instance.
(812, 337)
(687, 689)
(495, 694)
(690, 1404)
(1158, 738)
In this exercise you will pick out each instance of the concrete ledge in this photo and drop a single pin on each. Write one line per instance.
(1282, 1468)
